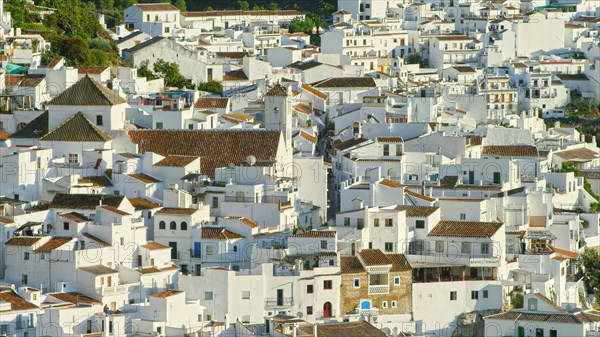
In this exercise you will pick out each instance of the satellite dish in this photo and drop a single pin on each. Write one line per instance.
(251, 160)
(299, 314)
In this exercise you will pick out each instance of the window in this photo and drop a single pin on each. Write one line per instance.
(420, 224)
(384, 304)
(397, 280)
(439, 246)
(200, 318)
(26, 256)
(309, 289)
(173, 225)
(184, 226)
(394, 304)
(99, 120)
(474, 294)
(246, 319)
(215, 202)
(484, 294)
(465, 248)
(73, 158)
(553, 333)
(360, 223)
(389, 246)
(346, 221)
(24, 279)
(246, 294)
(463, 216)
(389, 222)
(162, 225)
(357, 283)
(485, 248)
(453, 296)
(309, 310)
(375, 222)
(327, 285)
(210, 250)
(323, 244)
(159, 125)
(208, 295)
(66, 226)
(386, 149)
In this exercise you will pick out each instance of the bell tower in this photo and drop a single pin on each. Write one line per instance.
(278, 112)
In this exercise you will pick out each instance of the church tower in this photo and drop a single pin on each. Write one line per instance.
(278, 112)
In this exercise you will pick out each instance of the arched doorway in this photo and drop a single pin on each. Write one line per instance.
(327, 309)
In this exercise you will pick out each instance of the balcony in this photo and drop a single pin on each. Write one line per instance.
(379, 289)
(113, 290)
(282, 302)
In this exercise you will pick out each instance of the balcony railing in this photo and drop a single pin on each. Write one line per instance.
(112, 290)
(279, 302)
(379, 289)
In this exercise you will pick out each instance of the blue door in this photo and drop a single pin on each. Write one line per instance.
(365, 305)
(197, 249)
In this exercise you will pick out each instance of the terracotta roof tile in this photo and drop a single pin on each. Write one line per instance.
(347, 82)
(144, 178)
(417, 211)
(579, 154)
(53, 244)
(232, 54)
(84, 201)
(23, 80)
(211, 103)
(235, 75)
(465, 229)
(351, 265)
(157, 7)
(114, 210)
(171, 210)
(74, 216)
(6, 220)
(17, 303)
(22, 241)
(96, 181)
(91, 70)
(96, 240)
(374, 257)
(314, 91)
(350, 329)
(216, 148)
(99, 270)
(511, 150)
(311, 138)
(75, 298)
(4, 135)
(141, 203)
(420, 196)
(391, 183)
(219, 233)
(77, 129)
(315, 234)
(277, 90)
(34, 130)
(399, 262)
(244, 220)
(175, 161)
(152, 245)
(242, 13)
(87, 91)
(166, 293)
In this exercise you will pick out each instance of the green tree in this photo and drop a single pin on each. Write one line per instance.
(590, 259)
(209, 8)
(299, 24)
(273, 6)
(211, 86)
(180, 4)
(144, 70)
(325, 8)
(257, 7)
(243, 5)
(170, 72)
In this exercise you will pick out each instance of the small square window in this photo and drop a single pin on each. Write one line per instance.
(327, 285)
(208, 295)
(463, 216)
(26, 256)
(394, 304)
(389, 247)
(66, 226)
(484, 294)
(323, 244)
(389, 222)
(420, 224)
(453, 296)
(309, 289)
(309, 310)
(384, 304)
(246, 294)
(397, 280)
(474, 294)
(375, 222)
(356, 283)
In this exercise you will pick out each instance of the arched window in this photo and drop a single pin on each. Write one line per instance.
(184, 226)
(162, 225)
(173, 225)
(365, 305)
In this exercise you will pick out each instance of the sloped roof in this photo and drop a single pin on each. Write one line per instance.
(4, 135)
(151, 245)
(580, 154)
(100, 242)
(315, 234)
(34, 130)
(346, 329)
(277, 90)
(511, 150)
(98, 181)
(145, 44)
(30, 80)
(74, 216)
(22, 241)
(166, 293)
(99, 270)
(175, 161)
(84, 201)
(17, 303)
(157, 7)
(417, 211)
(172, 210)
(75, 298)
(350, 265)
(374, 257)
(87, 91)
(211, 103)
(465, 229)
(216, 148)
(346, 82)
(399, 262)
(53, 244)
(76, 129)
(141, 203)
(219, 233)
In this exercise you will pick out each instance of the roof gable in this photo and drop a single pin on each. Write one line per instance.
(87, 91)
(77, 129)
(34, 130)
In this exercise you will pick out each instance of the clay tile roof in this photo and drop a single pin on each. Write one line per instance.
(465, 229)
(580, 154)
(166, 293)
(21, 241)
(277, 90)
(76, 129)
(84, 201)
(91, 70)
(244, 220)
(350, 265)
(6, 220)
(74, 216)
(511, 150)
(23, 80)
(420, 196)
(311, 138)
(55, 60)
(216, 148)
(219, 233)
(4, 135)
(75, 298)
(34, 130)
(390, 139)
(17, 303)
(567, 253)
(399, 262)
(347, 82)
(235, 75)
(314, 91)
(53, 244)
(175, 161)
(99, 270)
(96, 240)
(98, 181)
(170, 210)
(303, 108)
(315, 234)
(87, 91)
(341, 146)
(232, 54)
(114, 210)
(391, 183)
(151, 245)
(211, 103)
(417, 211)
(144, 178)
(350, 329)
(141, 203)
(453, 38)
(374, 257)
(157, 7)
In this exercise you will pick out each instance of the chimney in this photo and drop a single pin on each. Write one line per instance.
(423, 188)
(594, 140)
(315, 330)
